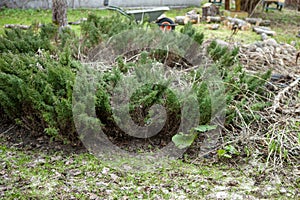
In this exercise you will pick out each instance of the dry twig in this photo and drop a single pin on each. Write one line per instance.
(276, 102)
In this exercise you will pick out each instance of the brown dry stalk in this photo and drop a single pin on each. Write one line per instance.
(277, 98)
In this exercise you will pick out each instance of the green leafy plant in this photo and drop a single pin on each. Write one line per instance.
(228, 151)
(191, 31)
(182, 140)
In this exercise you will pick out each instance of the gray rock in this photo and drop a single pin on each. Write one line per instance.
(285, 52)
(264, 36)
(258, 44)
(260, 50)
(278, 50)
(251, 48)
(282, 190)
(271, 42)
(293, 43)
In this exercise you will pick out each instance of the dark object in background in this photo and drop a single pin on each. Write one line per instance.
(209, 9)
(298, 34)
(216, 2)
(105, 3)
(279, 4)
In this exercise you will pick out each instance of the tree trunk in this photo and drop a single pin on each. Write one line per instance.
(238, 5)
(59, 12)
(227, 4)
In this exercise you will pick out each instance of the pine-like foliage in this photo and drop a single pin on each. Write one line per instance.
(38, 69)
(36, 91)
(30, 41)
(98, 28)
(240, 86)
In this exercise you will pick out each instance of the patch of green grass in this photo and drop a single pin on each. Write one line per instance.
(43, 16)
(285, 23)
(223, 33)
(35, 174)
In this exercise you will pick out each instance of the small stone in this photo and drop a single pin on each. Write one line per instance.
(278, 50)
(289, 194)
(94, 196)
(264, 36)
(258, 44)
(74, 172)
(105, 170)
(252, 48)
(221, 195)
(114, 177)
(271, 42)
(237, 197)
(293, 43)
(266, 49)
(259, 50)
(282, 190)
(40, 161)
(203, 187)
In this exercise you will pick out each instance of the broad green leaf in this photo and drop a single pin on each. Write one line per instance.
(221, 152)
(182, 140)
(204, 128)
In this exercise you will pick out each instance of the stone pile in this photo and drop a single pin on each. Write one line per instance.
(268, 54)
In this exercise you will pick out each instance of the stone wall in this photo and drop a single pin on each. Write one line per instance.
(46, 4)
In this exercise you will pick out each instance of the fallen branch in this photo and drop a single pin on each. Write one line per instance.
(10, 128)
(291, 111)
(276, 103)
(260, 30)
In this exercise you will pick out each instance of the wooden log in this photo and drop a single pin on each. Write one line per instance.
(24, 27)
(255, 21)
(260, 30)
(180, 20)
(213, 26)
(265, 23)
(194, 19)
(237, 21)
(262, 27)
(78, 22)
(258, 21)
(210, 19)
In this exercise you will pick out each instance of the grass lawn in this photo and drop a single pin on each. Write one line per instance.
(285, 23)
